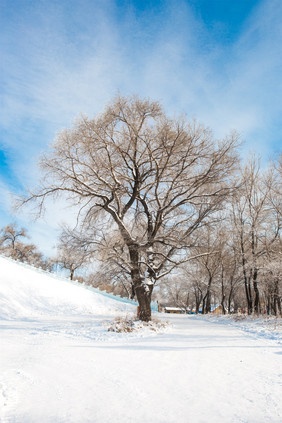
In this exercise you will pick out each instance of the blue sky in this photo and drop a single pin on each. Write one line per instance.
(217, 60)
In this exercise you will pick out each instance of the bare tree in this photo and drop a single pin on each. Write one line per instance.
(27, 253)
(175, 291)
(12, 246)
(209, 253)
(231, 280)
(257, 224)
(111, 280)
(10, 235)
(157, 179)
(71, 255)
(272, 282)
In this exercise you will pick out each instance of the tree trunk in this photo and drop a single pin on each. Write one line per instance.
(222, 292)
(208, 297)
(208, 303)
(144, 301)
(143, 292)
(256, 290)
(230, 296)
(246, 279)
(204, 304)
(248, 293)
(268, 304)
(132, 292)
(277, 301)
(187, 303)
(229, 301)
(198, 299)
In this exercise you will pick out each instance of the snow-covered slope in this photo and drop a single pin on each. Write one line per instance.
(26, 293)
(60, 364)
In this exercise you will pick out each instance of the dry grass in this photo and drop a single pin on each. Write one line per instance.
(131, 324)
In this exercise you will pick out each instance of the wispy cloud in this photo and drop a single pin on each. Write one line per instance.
(59, 59)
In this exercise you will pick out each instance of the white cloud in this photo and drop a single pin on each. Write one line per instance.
(56, 65)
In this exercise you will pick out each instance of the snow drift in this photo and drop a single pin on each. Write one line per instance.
(27, 293)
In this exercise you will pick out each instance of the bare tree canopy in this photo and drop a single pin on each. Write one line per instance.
(11, 246)
(10, 234)
(157, 179)
(71, 255)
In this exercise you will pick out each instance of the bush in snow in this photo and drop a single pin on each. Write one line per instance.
(130, 324)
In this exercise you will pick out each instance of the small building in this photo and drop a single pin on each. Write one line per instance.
(174, 310)
(217, 309)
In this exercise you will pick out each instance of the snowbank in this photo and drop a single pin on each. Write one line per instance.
(26, 293)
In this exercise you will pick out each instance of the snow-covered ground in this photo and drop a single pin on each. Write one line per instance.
(267, 327)
(59, 364)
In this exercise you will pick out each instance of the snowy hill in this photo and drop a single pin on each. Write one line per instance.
(60, 364)
(27, 293)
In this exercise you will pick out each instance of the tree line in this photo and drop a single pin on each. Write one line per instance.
(243, 270)
(14, 244)
(160, 200)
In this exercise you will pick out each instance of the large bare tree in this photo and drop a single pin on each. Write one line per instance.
(157, 180)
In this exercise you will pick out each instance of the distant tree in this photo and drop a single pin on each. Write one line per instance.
(111, 281)
(175, 291)
(272, 283)
(27, 253)
(156, 179)
(112, 254)
(197, 282)
(257, 225)
(9, 236)
(231, 280)
(209, 251)
(70, 256)
(273, 184)
(12, 246)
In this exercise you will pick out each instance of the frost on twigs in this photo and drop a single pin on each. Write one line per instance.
(132, 324)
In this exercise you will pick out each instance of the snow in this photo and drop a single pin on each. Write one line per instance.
(267, 327)
(25, 293)
(59, 364)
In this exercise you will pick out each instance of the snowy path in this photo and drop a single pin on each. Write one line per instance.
(70, 370)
